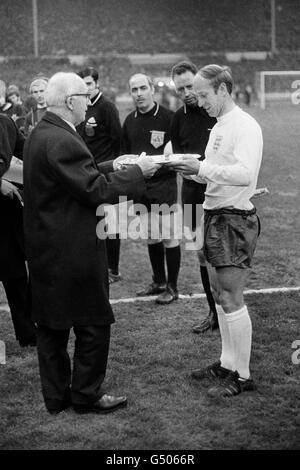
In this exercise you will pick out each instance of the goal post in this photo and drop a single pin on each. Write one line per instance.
(284, 85)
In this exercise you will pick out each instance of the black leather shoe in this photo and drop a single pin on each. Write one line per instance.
(209, 323)
(56, 411)
(170, 294)
(213, 371)
(106, 404)
(153, 289)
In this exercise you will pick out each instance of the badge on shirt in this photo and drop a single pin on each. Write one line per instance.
(217, 143)
(90, 127)
(157, 138)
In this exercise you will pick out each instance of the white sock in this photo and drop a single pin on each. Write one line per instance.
(227, 356)
(240, 330)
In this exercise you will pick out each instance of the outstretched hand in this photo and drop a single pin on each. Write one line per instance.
(123, 160)
(145, 162)
(148, 166)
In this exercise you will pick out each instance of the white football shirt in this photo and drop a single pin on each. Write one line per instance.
(232, 161)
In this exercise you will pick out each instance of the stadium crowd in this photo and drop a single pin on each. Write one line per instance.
(93, 26)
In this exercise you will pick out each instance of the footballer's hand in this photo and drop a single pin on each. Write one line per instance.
(123, 160)
(9, 190)
(187, 165)
(186, 177)
(148, 166)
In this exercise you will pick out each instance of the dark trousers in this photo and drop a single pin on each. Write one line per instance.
(19, 301)
(59, 385)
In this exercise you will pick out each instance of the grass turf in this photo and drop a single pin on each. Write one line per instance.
(152, 353)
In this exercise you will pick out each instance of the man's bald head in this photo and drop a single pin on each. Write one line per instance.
(141, 76)
(67, 96)
(61, 85)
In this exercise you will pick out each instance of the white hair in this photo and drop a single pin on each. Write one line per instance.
(37, 82)
(61, 85)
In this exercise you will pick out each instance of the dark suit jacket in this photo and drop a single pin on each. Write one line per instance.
(62, 189)
(12, 257)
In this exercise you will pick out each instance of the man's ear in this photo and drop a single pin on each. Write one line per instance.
(223, 87)
(69, 103)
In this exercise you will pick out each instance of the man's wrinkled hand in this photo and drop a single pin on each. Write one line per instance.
(120, 162)
(148, 166)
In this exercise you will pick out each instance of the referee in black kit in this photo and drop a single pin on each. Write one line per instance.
(147, 129)
(190, 131)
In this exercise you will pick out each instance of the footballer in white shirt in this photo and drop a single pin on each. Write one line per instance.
(231, 226)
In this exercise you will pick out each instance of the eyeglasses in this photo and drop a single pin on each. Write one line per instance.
(87, 95)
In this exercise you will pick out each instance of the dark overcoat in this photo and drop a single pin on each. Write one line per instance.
(12, 257)
(62, 189)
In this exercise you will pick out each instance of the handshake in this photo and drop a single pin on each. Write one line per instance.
(150, 164)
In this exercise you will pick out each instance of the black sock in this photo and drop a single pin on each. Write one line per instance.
(173, 256)
(113, 253)
(206, 287)
(157, 259)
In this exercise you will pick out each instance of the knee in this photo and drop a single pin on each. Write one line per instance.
(231, 300)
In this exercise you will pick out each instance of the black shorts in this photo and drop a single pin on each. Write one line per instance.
(230, 237)
(192, 193)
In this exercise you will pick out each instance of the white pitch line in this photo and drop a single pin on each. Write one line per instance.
(271, 290)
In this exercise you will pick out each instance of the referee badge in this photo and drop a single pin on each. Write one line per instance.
(157, 138)
(90, 126)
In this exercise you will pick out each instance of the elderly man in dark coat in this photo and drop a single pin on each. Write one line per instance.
(13, 273)
(62, 189)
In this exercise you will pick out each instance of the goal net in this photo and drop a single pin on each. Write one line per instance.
(282, 85)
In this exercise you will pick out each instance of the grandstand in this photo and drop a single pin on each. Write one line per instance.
(159, 26)
(121, 37)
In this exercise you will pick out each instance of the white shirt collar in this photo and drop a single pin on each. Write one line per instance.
(97, 99)
(228, 115)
